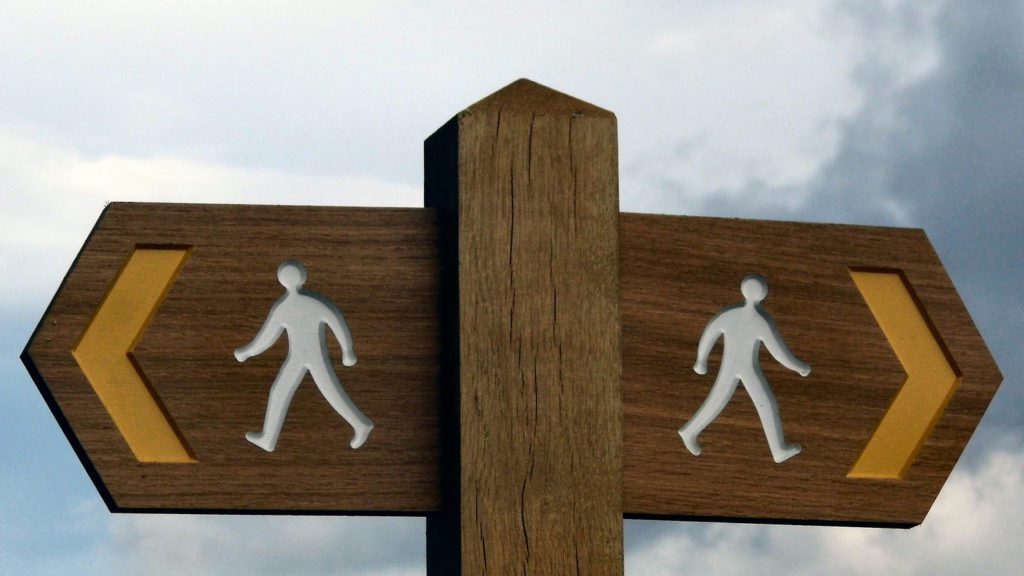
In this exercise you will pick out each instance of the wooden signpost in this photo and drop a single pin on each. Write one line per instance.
(893, 394)
(527, 354)
(379, 266)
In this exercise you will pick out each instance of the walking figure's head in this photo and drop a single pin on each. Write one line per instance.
(291, 274)
(754, 288)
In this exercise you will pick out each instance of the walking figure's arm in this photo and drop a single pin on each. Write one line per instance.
(265, 338)
(778, 349)
(336, 320)
(707, 341)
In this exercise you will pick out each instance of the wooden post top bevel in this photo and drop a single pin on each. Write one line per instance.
(528, 96)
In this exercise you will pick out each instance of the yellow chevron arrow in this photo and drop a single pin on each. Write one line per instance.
(932, 378)
(104, 352)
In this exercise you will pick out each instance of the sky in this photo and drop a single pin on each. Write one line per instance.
(883, 112)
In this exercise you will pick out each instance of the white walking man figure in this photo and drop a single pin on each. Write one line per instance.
(305, 316)
(744, 328)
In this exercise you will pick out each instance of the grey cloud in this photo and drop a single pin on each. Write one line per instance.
(953, 160)
(943, 153)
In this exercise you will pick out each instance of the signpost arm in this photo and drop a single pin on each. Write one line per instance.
(526, 187)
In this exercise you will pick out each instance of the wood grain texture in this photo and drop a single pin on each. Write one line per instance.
(382, 267)
(678, 272)
(533, 203)
(532, 299)
(378, 265)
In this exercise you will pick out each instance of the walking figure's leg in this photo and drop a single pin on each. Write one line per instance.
(713, 405)
(768, 411)
(281, 393)
(327, 381)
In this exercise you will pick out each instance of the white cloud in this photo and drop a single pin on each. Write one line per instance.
(746, 93)
(53, 195)
(179, 545)
(340, 87)
(973, 528)
(783, 89)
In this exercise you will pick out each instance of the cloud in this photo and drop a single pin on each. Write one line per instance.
(935, 143)
(972, 529)
(180, 545)
(891, 47)
(747, 91)
(347, 87)
(967, 532)
(60, 192)
(869, 111)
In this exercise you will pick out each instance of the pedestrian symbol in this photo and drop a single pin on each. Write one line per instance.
(744, 328)
(305, 316)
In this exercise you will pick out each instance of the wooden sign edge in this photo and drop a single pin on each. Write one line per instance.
(29, 362)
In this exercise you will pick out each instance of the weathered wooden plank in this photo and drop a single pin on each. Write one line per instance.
(678, 272)
(382, 267)
(378, 265)
(529, 215)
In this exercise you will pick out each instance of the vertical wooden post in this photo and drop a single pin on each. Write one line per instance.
(526, 186)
